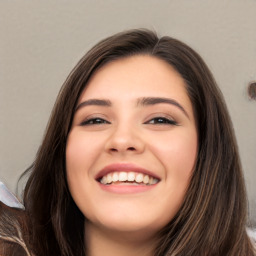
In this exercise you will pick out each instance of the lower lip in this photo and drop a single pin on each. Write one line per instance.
(126, 189)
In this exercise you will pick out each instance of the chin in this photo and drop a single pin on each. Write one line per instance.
(141, 224)
(126, 230)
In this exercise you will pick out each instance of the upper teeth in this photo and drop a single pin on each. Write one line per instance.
(128, 176)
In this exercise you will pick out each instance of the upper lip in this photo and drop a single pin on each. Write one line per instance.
(124, 167)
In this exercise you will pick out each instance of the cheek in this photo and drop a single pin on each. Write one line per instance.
(81, 150)
(177, 152)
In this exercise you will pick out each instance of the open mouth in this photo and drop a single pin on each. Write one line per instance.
(127, 178)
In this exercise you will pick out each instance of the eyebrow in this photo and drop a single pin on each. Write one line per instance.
(145, 101)
(95, 102)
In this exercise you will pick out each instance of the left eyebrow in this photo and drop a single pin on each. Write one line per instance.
(147, 101)
(95, 102)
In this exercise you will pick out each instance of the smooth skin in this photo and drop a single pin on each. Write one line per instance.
(122, 127)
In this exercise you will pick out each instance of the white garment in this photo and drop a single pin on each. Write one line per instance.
(252, 234)
(8, 198)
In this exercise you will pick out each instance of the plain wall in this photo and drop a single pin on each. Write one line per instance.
(40, 42)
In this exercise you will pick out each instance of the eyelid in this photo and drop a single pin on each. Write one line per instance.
(170, 120)
(94, 117)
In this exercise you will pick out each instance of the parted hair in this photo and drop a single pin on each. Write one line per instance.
(211, 220)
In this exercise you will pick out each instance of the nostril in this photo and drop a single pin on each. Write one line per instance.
(127, 149)
(131, 149)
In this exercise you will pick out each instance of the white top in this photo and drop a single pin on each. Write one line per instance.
(8, 198)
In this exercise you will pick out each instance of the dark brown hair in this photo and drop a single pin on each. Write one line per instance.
(13, 232)
(211, 220)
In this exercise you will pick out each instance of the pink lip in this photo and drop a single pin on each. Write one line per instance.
(126, 189)
(123, 167)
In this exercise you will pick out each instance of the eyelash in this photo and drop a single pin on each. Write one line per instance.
(95, 121)
(162, 121)
(153, 121)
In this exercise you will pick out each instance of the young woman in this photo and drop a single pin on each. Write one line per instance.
(139, 158)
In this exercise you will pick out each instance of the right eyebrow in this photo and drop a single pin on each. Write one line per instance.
(147, 101)
(95, 102)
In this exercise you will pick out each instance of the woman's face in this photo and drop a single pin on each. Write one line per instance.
(132, 146)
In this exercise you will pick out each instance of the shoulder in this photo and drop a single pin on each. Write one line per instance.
(252, 235)
(8, 198)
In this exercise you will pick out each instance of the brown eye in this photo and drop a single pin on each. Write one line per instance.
(94, 121)
(161, 120)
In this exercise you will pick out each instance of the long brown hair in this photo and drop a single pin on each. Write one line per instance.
(212, 218)
(13, 232)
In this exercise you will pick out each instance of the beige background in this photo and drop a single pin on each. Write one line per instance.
(40, 41)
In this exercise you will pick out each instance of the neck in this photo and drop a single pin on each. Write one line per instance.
(102, 242)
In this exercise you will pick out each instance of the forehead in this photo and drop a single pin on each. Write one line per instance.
(134, 77)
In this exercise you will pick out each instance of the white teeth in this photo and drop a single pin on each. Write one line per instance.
(123, 176)
(128, 177)
(154, 181)
(115, 177)
(146, 179)
(104, 180)
(109, 178)
(131, 176)
(139, 178)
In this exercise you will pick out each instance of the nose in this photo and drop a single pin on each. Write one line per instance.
(125, 139)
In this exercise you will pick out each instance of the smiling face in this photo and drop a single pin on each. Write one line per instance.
(132, 146)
